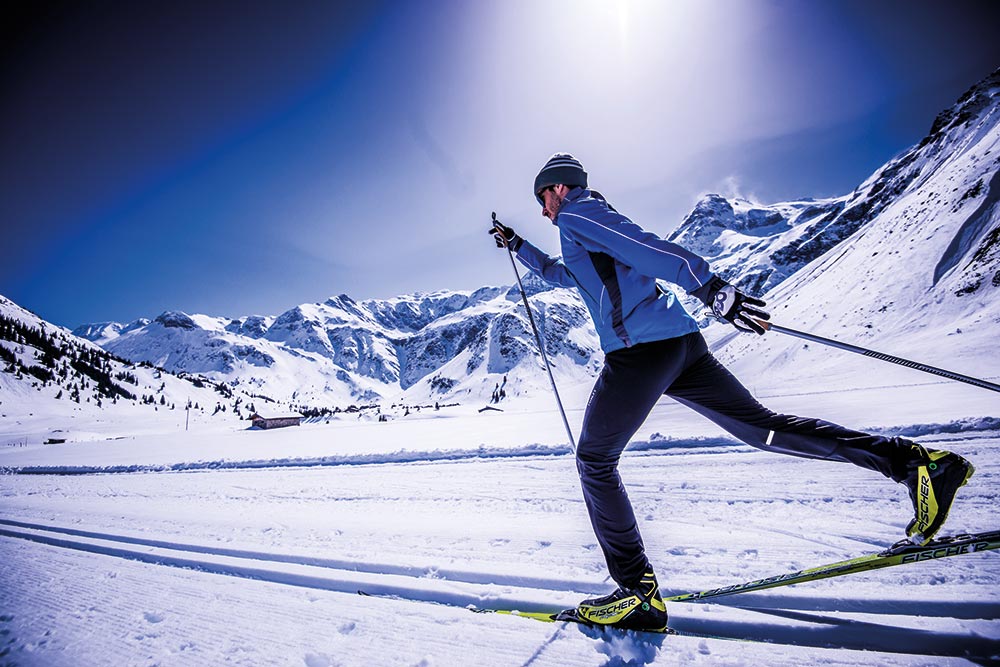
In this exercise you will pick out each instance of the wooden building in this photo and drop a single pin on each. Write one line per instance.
(266, 419)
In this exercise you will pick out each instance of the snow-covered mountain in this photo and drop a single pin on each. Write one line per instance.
(422, 347)
(913, 264)
(102, 332)
(54, 385)
(758, 246)
(907, 259)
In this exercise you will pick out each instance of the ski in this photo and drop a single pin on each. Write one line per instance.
(901, 553)
(571, 616)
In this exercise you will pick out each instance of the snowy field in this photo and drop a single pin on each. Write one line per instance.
(249, 547)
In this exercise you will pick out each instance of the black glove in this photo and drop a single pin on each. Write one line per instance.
(733, 306)
(504, 235)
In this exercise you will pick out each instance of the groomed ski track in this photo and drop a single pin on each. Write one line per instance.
(479, 590)
(428, 585)
(140, 568)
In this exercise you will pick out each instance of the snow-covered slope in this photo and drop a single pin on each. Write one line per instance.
(920, 278)
(54, 385)
(948, 174)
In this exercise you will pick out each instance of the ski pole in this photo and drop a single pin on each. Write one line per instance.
(880, 355)
(538, 339)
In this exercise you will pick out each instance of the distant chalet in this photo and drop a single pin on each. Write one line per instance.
(267, 420)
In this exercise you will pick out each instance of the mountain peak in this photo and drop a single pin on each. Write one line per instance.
(175, 319)
(969, 106)
(340, 301)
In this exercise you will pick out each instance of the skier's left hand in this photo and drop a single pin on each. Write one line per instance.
(733, 306)
(504, 235)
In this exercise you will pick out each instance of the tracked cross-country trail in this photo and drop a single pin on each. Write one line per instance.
(263, 566)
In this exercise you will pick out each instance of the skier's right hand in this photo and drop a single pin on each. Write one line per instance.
(731, 305)
(504, 235)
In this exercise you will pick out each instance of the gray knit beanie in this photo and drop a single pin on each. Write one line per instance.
(561, 168)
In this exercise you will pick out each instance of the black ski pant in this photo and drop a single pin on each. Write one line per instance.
(629, 385)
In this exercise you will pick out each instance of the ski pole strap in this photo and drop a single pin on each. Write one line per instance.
(951, 375)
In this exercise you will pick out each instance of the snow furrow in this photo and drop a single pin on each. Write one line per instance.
(861, 631)
(90, 610)
(438, 573)
(441, 591)
(97, 542)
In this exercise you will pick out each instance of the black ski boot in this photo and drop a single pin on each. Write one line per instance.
(638, 608)
(933, 477)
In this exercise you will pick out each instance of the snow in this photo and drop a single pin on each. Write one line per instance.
(268, 413)
(249, 547)
(341, 352)
(159, 536)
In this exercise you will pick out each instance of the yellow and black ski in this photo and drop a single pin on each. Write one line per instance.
(569, 615)
(901, 553)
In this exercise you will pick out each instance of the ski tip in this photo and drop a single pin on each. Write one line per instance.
(569, 615)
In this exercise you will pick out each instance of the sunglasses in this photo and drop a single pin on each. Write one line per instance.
(538, 195)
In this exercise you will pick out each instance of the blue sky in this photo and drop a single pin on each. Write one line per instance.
(242, 158)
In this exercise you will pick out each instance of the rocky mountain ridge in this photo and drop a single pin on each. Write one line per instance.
(919, 276)
(429, 346)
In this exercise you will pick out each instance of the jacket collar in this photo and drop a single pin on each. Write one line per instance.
(573, 195)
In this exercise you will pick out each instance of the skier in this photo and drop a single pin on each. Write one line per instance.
(653, 347)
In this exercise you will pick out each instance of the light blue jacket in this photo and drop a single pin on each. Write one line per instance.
(614, 264)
